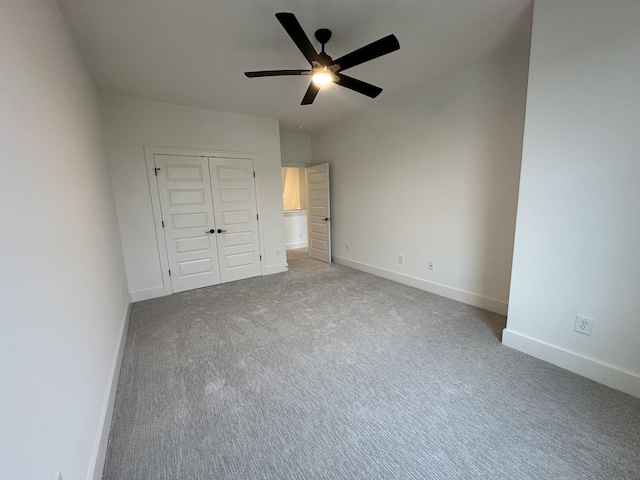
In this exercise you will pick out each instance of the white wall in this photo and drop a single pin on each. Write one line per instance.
(295, 227)
(62, 313)
(577, 248)
(130, 124)
(295, 148)
(433, 176)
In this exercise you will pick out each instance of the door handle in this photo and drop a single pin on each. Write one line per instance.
(210, 231)
(221, 231)
(326, 219)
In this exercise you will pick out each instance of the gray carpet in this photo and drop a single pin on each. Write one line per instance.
(325, 372)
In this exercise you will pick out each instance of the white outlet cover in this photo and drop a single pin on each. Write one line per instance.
(584, 325)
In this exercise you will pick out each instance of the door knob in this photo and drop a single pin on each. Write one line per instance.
(221, 231)
(326, 219)
(210, 231)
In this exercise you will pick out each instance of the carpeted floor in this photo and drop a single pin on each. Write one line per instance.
(325, 372)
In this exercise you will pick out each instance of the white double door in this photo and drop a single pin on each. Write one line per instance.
(210, 219)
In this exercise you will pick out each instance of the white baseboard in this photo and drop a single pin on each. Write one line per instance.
(279, 268)
(147, 294)
(491, 304)
(608, 375)
(98, 457)
(293, 246)
(156, 292)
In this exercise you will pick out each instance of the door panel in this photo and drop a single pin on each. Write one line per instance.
(236, 214)
(194, 267)
(194, 244)
(319, 212)
(189, 220)
(184, 186)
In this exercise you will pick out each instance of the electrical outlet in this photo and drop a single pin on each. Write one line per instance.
(347, 247)
(431, 267)
(299, 234)
(400, 258)
(584, 325)
(277, 253)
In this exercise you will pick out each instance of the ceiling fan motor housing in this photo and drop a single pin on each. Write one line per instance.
(324, 59)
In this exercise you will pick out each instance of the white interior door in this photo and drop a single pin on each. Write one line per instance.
(236, 213)
(184, 187)
(319, 212)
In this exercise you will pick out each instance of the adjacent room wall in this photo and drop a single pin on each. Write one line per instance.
(130, 125)
(433, 176)
(577, 248)
(296, 235)
(295, 148)
(295, 203)
(293, 188)
(62, 312)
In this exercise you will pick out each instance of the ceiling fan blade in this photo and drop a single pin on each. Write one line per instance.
(293, 28)
(276, 73)
(310, 96)
(358, 85)
(376, 49)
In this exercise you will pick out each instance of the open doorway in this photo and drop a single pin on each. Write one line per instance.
(294, 203)
(306, 199)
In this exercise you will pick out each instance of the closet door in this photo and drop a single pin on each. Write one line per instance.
(234, 201)
(184, 187)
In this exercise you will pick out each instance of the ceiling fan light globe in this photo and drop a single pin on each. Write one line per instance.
(322, 77)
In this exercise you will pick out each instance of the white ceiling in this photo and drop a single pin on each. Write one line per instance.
(194, 52)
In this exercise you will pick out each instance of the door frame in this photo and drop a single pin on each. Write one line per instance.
(149, 152)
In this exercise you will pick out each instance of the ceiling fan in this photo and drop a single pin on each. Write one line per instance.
(324, 69)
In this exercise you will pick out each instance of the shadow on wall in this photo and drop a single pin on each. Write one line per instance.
(502, 142)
